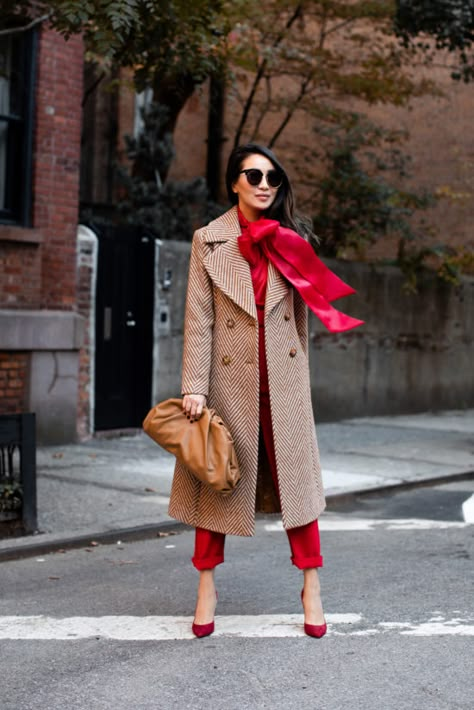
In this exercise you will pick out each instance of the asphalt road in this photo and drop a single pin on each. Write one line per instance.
(398, 597)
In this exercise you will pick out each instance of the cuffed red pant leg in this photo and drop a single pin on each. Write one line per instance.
(208, 549)
(305, 546)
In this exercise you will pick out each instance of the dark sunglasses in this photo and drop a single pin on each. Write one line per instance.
(254, 177)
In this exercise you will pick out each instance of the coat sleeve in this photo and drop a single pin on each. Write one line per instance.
(198, 323)
(301, 319)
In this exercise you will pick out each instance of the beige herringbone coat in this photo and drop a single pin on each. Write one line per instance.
(221, 361)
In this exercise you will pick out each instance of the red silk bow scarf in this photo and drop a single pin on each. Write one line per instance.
(297, 263)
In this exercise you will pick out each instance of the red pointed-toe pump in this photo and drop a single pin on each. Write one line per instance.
(201, 630)
(316, 631)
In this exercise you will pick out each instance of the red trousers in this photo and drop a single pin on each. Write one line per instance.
(304, 541)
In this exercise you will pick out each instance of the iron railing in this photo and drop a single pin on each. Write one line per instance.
(18, 472)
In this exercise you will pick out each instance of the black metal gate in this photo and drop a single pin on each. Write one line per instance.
(17, 474)
(124, 327)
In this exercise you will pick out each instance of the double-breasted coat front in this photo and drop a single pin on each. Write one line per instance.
(220, 360)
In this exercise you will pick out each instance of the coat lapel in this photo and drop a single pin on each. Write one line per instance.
(230, 271)
(277, 288)
(225, 264)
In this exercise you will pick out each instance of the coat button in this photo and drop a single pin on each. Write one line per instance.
(286, 316)
(230, 322)
(292, 352)
(226, 360)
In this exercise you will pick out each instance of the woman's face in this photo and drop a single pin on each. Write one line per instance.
(255, 199)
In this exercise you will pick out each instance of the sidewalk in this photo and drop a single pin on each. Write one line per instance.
(115, 489)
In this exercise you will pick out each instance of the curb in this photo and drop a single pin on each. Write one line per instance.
(346, 497)
(104, 537)
(172, 527)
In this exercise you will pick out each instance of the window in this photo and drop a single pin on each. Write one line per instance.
(17, 52)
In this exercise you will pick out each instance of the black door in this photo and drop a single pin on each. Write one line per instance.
(124, 327)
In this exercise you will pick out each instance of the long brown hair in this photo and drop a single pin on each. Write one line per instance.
(283, 206)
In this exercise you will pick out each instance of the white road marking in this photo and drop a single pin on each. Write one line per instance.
(451, 627)
(330, 524)
(172, 628)
(468, 510)
(155, 628)
(155, 499)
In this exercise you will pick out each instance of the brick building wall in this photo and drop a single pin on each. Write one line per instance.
(20, 272)
(13, 374)
(38, 263)
(191, 137)
(57, 157)
(439, 145)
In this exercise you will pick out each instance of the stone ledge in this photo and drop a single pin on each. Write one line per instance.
(10, 233)
(40, 330)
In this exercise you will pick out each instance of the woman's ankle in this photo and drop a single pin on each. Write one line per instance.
(312, 598)
(311, 579)
(206, 581)
(206, 598)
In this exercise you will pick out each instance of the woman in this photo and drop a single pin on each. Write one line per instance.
(245, 355)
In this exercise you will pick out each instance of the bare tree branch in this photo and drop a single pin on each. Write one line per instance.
(339, 26)
(291, 110)
(260, 73)
(25, 28)
(322, 33)
(265, 108)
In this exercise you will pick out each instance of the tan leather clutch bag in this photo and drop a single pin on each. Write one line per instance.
(204, 446)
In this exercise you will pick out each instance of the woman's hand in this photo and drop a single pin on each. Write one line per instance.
(193, 405)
